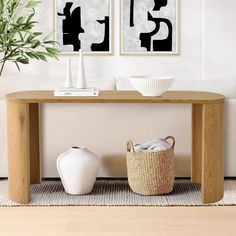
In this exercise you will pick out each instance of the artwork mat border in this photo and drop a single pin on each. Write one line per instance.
(177, 22)
(111, 35)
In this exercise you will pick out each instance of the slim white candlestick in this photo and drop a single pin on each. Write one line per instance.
(68, 80)
(81, 79)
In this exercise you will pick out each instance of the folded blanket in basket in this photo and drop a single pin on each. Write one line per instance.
(154, 145)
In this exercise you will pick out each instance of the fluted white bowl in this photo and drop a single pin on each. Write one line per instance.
(151, 85)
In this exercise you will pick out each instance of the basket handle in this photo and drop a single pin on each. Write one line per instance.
(173, 140)
(130, 146)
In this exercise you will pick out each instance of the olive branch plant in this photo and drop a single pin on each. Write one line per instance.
(18, 41)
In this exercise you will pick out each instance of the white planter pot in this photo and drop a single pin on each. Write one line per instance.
(78, 169)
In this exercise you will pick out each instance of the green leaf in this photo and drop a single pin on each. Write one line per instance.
(21, 36)
(51, 42)
(30, 17)
(47, 37)
(17, 65)
(18, 43)
(36, 34)
(32, 55)
(41, 56)
(23, 60)
(32, 4)
(36, 44)
(30, 38)
(1, 7)
(20, 20)
(15, 54)
(52, 51)
(3, 26)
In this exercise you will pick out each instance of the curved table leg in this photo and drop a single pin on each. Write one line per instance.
(213, 153)
(18, 152)
(35, 175)
(196, 172)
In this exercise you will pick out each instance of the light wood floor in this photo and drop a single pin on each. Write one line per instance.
(118, 221)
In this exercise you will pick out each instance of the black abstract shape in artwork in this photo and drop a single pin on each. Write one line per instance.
(103, 46)
(131, 20)
(158, 45)
(159, 4)
(71, 26)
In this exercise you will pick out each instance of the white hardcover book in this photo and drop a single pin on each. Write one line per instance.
(71, 93)
(76, 90)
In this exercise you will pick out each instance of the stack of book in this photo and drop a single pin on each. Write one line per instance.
(81, 89)
(76, 92)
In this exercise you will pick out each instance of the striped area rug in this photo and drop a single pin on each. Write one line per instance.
(116, 192)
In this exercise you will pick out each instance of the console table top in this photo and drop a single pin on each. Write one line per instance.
(194, 97)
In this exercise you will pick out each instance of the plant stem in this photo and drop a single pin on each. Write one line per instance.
(2, 66)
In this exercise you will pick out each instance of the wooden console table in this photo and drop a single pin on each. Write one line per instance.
(207, 136)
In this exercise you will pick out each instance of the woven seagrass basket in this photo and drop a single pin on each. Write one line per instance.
(150, 173)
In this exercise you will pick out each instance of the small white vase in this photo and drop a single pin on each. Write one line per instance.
(81, 78)
(68, 80)
(78, 169)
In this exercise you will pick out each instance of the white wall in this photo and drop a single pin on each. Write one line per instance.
(105, 129)
(187, 65)
(220, 38)
(217, 49)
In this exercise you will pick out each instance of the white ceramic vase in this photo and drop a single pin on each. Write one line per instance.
(81, 79)
(78, 169)
(68, 80)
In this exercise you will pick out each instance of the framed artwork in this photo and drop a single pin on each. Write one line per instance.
(149, 27)
(83, 24)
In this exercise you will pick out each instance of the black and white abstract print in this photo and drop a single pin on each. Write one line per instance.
(83, 24)
(149, 26)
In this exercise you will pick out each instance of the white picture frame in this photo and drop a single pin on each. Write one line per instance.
(135, 40)
(88, 20)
